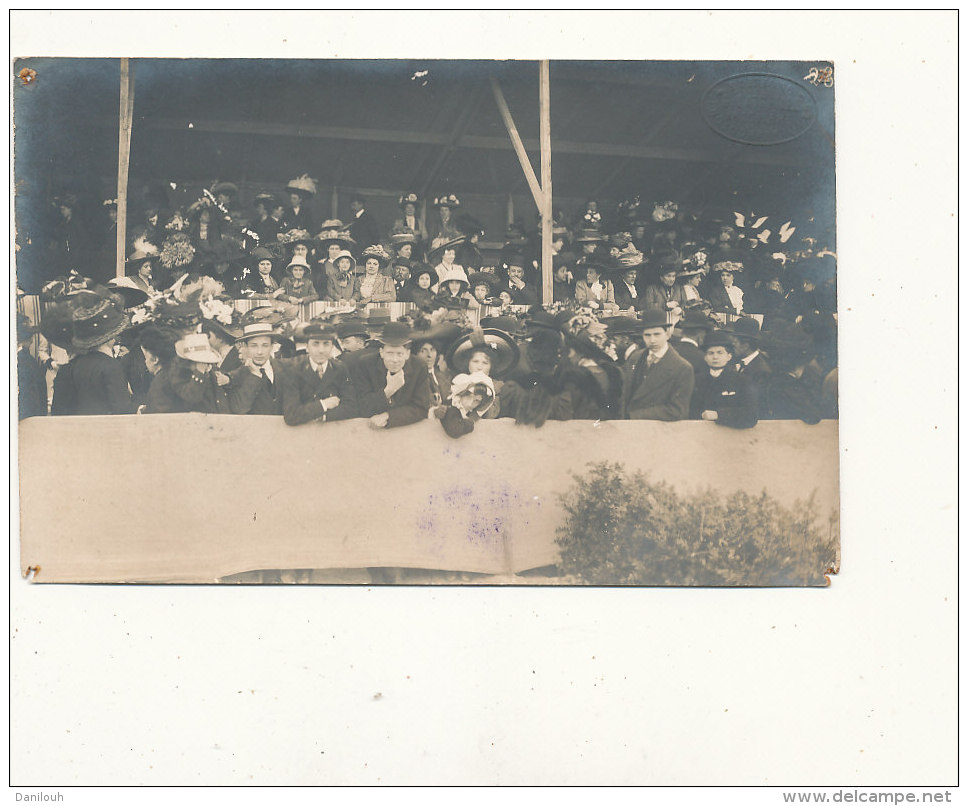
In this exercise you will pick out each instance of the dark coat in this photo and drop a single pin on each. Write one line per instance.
(731, 396)
(409, 404)
(304, 389)
(656, 297)
(455, 424)
(232, 360)
(789, 398)
(249, 394)
(178, 388)
(64, 399)
(623, 297)
(99, 385)
(692, 354)
(31, 386)
(660, 393)
(364, 230)
(302, 220)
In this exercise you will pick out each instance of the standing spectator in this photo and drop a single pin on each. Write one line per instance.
(31, 378)
(97, 375)
(190, 381)
(446, 229)
(373, 285)
(363, 228)
(722, 395)
(658, 381)
(254, 387)
(749, 360)
(319, 387)
(522, 293)
(692, 328)
(420, 291)
(393, 385)
(299, 216)
(263, 224)
(409, 223)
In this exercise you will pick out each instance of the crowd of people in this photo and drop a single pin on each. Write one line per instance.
(657, 313)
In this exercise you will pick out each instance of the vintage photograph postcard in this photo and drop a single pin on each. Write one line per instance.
(539, 322)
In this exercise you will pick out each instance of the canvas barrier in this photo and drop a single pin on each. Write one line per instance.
(196, 497)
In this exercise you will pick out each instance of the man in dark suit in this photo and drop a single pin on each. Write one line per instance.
(256, 387)
(658, 381)
(693, 326)
(749, 361)
(722, 395)
(319, 385)
(362, 227)
(393, 386)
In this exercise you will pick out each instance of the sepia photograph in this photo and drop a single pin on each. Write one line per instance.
(427, 321)
(432, 399)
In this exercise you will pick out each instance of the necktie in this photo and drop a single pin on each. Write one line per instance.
(321, 370)
(651, 361)
(267, 382)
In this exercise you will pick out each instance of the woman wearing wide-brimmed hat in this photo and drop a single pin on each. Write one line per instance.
(468, 254)
(446, 230)
(99, 385)
(489, 351)
(140, 267)
(300, 190)
(721, 289)
(594, 290)
(453, 289)
(340, 281)
(297, 288)
(472, 397)
(431, 346)
(190, 381)
(409, 221)
(443, 257)
(260, 284)
(373, 285)
(484, 287)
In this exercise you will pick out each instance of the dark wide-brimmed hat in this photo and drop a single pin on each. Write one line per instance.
(623, 325)
(228, 188)
(719, 338)
(128, 291)
(626, 261)
(435, 254)
(655, 318)
(589, 236)
(508, 324)
(408, 198)
(746, 328)
(97, 324)
(260, 253)
(492, 281)
(695, 319)
(352, 327)
(401, 237)
(501, 348)
(396, 334)
(342, 238)
(139, 257)
(441, 336)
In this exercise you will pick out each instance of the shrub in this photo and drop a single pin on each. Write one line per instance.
(623, 528)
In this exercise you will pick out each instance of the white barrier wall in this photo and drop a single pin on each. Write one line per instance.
(196, 497)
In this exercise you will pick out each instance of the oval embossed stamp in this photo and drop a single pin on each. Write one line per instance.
(760, 109)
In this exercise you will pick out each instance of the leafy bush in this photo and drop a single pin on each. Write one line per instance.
(626, 529)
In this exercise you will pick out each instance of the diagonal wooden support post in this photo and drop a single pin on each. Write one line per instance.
(518, 145)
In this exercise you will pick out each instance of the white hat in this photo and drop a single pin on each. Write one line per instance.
(195, 347)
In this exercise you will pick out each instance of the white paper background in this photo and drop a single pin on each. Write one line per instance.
(853, 685)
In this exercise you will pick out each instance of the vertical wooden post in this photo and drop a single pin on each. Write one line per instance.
(510, 208)
(423, 217)
(334, 203)
(124, 153)
(544, 123)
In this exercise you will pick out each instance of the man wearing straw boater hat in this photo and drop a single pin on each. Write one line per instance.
(319, 387)
(393, 385)
(658, 381)
(256, 387)
(97, 376)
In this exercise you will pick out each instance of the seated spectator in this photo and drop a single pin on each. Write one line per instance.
(518, 289)
(563, 281)
(452, 289)
(665, 296)
(484, 286)
(626, 274)
(400, 272)
(689, 279)
(491, 352)
(595, 291)
(260, 284)
(373, 285)
(341, 284)
(420, 289)
(720, 289)
(297, 288)
(393, 386)
(722, 395)
(443, 258)
(318, 388)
